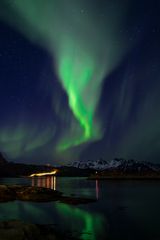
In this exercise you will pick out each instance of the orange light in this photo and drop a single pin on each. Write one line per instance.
(43, 174)
(55, 183)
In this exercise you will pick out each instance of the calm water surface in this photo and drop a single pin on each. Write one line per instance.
(128, 210)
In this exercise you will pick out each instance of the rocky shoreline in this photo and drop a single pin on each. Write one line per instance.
(19, 230)
(37, 194)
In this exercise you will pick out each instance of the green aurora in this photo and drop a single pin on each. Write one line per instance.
(22, 139)
(91, 226)
(89, 223)
(86, 46)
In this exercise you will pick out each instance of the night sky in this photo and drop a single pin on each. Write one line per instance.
(79, 79)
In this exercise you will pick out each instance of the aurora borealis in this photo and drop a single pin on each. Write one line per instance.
(90, 223)
(79, 79)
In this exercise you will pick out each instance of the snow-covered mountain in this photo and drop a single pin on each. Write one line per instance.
(117, 164)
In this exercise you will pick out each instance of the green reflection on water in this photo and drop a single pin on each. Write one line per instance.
(91, 225)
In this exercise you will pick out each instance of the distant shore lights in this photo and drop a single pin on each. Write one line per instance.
(43, 174)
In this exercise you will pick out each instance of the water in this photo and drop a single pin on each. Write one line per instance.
(127, 210)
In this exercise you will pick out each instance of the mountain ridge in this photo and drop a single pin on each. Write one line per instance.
(118, 164)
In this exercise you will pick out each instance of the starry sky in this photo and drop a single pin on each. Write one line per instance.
(79, 79)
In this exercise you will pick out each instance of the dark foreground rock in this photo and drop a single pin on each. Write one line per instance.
(37, 194)
(18, 230)
(6, 194)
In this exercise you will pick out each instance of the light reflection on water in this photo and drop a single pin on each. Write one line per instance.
(82, 223)
(90, 225)
(51, 182)
(46, 182)
(127, 210)
(97, 190)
